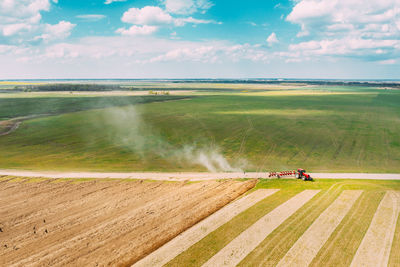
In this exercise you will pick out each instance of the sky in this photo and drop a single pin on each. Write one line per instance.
(316, 39)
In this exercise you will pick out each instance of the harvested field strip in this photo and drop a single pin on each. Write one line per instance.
(394, 259)
(308, 245)
(203, 250)
(344, 241)
(183, 241)
(377, 243)
(105, 223)
(278, 243)
(242, 245)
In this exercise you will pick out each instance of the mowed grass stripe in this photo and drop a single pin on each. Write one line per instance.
(344, 241)
(194, 234)
(276, 245)
(308, 245)
(394, 259)
(242, 245)
(377, 243)
(203, 250)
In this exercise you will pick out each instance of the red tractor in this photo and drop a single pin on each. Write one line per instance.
(301, 174)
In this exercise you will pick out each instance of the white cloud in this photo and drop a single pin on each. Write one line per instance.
(12, 29)
(272, 39)
(107, 2)
(57, 31)
(148, 15)
(388, 62)
(187, 7)
(357, 17)
(20, 22)
(183, 21)
(348, 27)
(91, 17)
(148, 19)
(137, 30)
(19, 17)
(213, 53)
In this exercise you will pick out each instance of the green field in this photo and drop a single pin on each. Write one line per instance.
(332, 129)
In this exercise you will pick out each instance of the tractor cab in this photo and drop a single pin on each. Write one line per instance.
(301, 174)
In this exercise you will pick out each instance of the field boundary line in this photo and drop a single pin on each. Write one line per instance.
(376, 245)
(249, 239)
(308, 245)
(194, 234)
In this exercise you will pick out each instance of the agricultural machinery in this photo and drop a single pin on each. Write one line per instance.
(299, 174)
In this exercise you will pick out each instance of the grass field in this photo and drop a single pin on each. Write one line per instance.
(321, 129)
(338, 250)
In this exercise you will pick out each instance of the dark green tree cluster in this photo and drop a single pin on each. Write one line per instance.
(72, 87)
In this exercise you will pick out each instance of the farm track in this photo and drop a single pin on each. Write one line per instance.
(11, 125)
(189, 176)
(100, 222)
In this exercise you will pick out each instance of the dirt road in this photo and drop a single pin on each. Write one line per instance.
(191, 176)
(61, 222)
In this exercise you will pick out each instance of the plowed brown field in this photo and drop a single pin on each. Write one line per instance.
(89, 223)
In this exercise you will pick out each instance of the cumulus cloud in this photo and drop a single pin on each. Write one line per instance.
(20, 22)
(60, 30)
(187, 7)
(148, 19)
(272, 39)
(148, 15)
(138, 30)
(352, 28)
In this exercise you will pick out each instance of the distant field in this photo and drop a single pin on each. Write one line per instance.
(17, 105)
(321, 129)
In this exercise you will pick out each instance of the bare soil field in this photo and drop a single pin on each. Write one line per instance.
(88, 223)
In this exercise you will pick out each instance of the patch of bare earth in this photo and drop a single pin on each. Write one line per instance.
(101, 223)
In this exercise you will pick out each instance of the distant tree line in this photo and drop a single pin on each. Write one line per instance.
(70, 87)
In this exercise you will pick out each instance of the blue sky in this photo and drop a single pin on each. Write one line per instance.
(350, 39)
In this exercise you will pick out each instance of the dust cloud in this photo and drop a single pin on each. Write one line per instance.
(126, 127)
